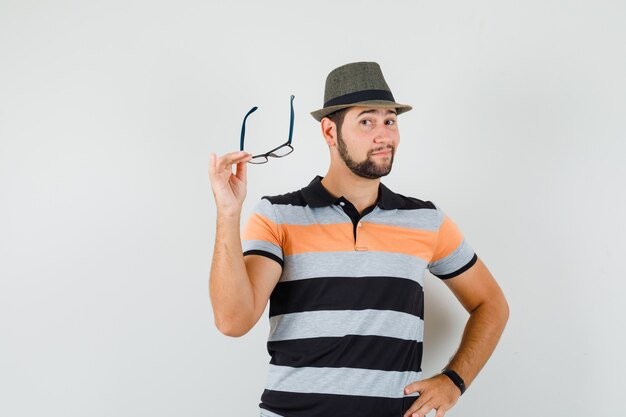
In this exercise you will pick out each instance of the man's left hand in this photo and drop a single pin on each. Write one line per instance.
(436, 393)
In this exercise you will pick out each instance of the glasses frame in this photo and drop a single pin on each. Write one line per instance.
(264, 157)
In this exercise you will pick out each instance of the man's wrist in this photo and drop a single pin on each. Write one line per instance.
(455, 378)
(229, 213)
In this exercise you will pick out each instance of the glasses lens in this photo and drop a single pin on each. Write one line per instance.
(282, 151)
(258, 160)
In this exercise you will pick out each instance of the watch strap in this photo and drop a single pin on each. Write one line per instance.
(456, 379)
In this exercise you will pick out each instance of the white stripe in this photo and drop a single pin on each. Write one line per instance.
(353, 264)
(419, 219)
(341, 381)
(263, 245)
(264, 207)
(343, 322)
(268, 413)
(304, 216)
(459, 257)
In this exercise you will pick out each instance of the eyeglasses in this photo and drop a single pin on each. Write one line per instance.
(278, 152)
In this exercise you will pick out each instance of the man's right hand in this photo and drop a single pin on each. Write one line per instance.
(229, 190)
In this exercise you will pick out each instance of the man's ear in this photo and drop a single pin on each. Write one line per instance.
(329, 131)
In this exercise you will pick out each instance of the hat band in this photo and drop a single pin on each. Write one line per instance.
(358, 96)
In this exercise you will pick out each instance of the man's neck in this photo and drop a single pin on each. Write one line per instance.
(361, 192)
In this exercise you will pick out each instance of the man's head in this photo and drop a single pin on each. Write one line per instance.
(359, 119)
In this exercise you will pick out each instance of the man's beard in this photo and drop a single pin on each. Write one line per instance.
(368, 168)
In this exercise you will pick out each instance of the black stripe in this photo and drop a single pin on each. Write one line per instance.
(411, 203)
(358, 96)
(315, 195)
(351, 351)
(295, 404)
(459, 271)
(264, 253)
(341, 293)
(294, 198)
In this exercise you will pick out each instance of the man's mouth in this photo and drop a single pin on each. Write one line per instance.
(385, 152)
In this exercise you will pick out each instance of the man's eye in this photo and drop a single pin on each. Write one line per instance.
(365, 122)
(391, 122)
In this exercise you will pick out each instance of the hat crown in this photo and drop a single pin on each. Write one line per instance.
(354, 77)
(357, 84)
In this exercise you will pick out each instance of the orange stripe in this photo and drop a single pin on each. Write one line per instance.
(339, 237)
(370, 237)
(449, 239)
(318, 238)
(387, 238)
(260, 227)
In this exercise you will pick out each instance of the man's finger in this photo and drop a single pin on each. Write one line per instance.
(414, 387)
(417, 404)
(242, 170)
(440, 412)
(423, 410)
(212, 158)
(225, 162)
(212, 167)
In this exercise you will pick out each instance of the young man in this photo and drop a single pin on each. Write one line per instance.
(342, 262)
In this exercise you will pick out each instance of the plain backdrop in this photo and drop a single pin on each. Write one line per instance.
(108, 114)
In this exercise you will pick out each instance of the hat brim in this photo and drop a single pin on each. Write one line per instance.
(384, 104)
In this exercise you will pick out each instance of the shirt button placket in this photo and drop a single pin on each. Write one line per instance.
(359, 238)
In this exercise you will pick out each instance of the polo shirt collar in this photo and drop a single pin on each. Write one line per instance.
(316, 195)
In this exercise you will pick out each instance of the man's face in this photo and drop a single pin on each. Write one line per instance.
(367, 141)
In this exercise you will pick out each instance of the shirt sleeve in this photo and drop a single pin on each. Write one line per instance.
(452, 254)
(261, 233)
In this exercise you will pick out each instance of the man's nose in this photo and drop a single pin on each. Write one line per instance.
(382, 135)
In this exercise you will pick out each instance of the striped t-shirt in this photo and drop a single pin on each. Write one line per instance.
(346, 317)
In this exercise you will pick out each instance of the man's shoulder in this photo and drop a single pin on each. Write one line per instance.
(294, 198)
(313, 195)
(393, 200)
(412, 203)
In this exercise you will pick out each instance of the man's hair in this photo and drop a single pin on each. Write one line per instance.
(337, 118)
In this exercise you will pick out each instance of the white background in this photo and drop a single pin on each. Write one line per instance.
(108, 113)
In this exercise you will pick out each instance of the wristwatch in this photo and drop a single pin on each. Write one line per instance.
(458, 381)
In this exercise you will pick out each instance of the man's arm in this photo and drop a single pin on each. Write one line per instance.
(239, 287)
(480, 295)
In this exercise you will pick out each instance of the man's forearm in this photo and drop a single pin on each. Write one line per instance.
(480, 337)
(230, 289)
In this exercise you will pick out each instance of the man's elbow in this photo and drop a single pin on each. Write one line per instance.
(232, 328)
(503, 310)
(495, 307)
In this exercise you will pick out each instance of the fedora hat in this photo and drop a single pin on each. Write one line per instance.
(357, 84)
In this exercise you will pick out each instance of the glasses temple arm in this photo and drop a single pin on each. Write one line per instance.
(243, 127)
(291, 120)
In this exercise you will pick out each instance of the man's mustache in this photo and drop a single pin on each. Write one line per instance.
(391, 147)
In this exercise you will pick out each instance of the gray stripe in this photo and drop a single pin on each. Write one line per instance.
(453, 262)
(353, 264)
(247, 245)
(341, 322)
(342, 381)
(299, 215)
(268, 413)
(264, 208)
(420, 219)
